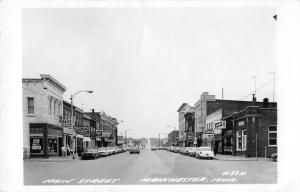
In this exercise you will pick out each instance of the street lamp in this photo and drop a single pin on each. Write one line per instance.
(72, 123)
(125, 135)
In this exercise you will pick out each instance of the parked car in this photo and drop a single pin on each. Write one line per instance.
(90, 154)
(134, 150)
(191, 151)
(274, 157)
(153, 148)
(204, 152)
(103, 152)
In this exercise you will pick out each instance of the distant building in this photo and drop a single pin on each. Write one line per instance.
(120, 140)
(173, 137)
(200, 109)
(42, 107)
(181, 118)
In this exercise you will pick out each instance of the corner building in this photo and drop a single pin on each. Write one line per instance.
(42, 107)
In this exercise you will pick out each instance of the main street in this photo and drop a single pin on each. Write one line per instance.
(149, 167)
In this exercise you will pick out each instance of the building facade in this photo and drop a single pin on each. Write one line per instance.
(200, 109)
(181, 121)
(69, 133)
(173, 137)
(254, 131)
(42, 107)
(189, 128)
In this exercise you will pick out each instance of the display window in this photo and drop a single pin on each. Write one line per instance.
(36, 145)
(53, 145)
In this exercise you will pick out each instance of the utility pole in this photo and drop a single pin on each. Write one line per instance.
(158, 140)
(222, 93)
(254, 77)
(273, 74)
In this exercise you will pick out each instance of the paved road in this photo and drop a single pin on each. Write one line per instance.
(149, 167)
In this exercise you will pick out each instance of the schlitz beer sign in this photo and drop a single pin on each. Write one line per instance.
(82, 131)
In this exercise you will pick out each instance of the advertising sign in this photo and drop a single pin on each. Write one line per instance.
(208, 136)
(36, 144)
(220, 124)
(82, 131)
(105, 134)
(66, 121)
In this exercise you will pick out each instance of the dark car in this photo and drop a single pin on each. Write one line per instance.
(153, 149)
(134, 150)
(90, 154)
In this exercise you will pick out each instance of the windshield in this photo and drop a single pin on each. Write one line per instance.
(204, 149)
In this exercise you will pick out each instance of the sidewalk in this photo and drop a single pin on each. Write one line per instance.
(52, 159)
(239, 158)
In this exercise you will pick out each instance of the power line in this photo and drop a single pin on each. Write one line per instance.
(262, 86)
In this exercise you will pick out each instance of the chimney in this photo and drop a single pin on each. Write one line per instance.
(253, 99)
(93, 111)
(265, 103)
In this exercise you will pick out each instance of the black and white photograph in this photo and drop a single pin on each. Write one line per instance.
(150, 95)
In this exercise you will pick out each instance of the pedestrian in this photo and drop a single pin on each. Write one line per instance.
(68, 150)
(63, 151)
(215, 150)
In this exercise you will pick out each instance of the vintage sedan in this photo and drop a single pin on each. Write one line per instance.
(90, 154)
(103, 152)
(204, 152)
(191, 151)
(134, 150)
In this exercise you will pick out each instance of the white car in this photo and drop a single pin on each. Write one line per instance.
(205, 152)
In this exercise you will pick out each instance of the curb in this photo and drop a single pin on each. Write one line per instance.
(242, 159)
(48, 160)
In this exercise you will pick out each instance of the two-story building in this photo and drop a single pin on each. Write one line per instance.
(42, 107)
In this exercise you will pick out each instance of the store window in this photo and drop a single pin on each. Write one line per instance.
(52, 145)
(238, 141)
(30, 105)
(50, 106)
(244, 140)
(36, 145)
(272, 135)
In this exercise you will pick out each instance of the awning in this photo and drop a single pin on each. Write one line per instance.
(68, 131)
(79, 136)
(86, 139)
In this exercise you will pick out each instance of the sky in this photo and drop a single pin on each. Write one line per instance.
(143, 63)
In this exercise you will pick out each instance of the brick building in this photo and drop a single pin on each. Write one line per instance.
(67, 129)
(215, 111)
(253, 130)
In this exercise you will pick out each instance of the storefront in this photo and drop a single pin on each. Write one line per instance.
(98, 141)
(79, 144)
(208, 140)
(227, 142)
(45, 140)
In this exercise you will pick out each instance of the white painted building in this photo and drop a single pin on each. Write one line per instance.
(42, 106)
